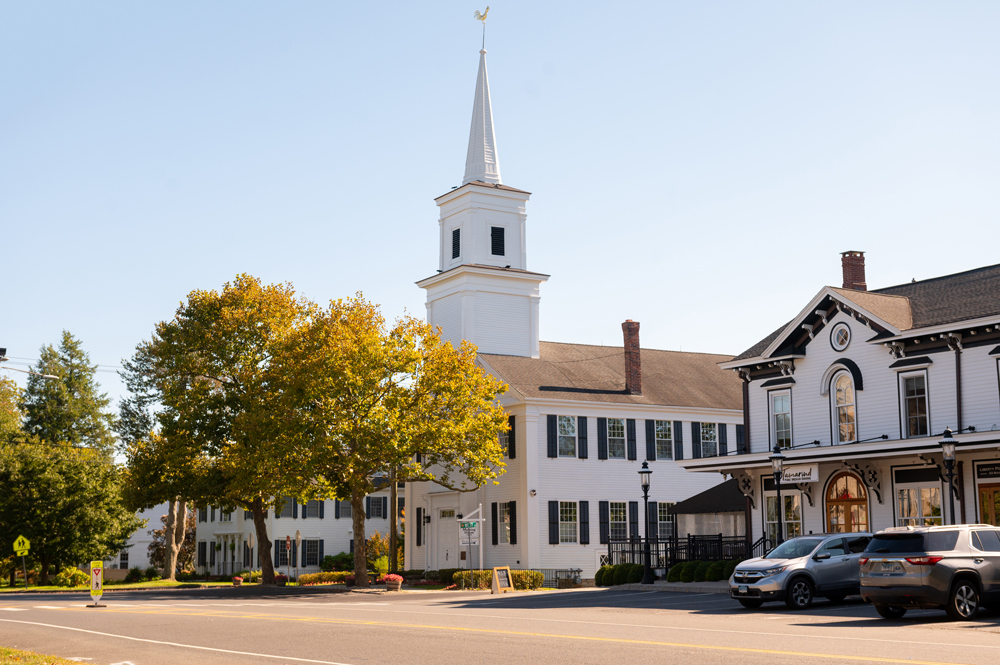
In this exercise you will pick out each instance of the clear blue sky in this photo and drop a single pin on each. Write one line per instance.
(694, 166)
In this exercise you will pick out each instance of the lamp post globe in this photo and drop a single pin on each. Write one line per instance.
(948, 448)
(647, 571)
(777, 469)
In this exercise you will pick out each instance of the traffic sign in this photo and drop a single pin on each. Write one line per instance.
(96, 580)
(21, 546)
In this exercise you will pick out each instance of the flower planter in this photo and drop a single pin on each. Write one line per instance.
(393, 586)
(349, 582)
(237, 581)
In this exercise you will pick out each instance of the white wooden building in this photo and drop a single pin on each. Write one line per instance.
(857, 391)
(582, 418)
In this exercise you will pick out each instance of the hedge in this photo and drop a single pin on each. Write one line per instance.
(700, 571)
(636, 573)
(325, 578)
(687, 573)
(715, 571)
(604, 576)
(522, 580)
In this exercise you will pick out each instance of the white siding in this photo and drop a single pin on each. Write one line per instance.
(980, 389)
(446, 313)
(503, 324)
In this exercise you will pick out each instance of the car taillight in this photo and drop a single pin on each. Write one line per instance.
(923, 560)
(863, 560)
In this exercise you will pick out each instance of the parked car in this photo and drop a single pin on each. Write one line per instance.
(800, 569)
(954, 568)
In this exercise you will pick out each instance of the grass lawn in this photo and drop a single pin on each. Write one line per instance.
(158, 584)
(12, 656)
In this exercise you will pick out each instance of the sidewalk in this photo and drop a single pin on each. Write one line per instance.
(681, 587)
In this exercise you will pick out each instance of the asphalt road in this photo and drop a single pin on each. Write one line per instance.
(584, 626)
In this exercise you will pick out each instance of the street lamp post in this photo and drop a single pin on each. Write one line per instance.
(948, 447)
(644, 474)
(777, 466)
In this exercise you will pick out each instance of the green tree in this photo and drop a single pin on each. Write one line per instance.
(206, 371)
(71, 409)
(67, 501)
(357, 399)
(10, 415)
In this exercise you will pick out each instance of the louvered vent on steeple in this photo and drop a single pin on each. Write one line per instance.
(456, 243)
(496, 241)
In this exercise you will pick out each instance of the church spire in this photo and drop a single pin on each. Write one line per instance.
(481, 163)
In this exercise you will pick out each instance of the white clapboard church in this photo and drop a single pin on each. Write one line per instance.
(583, 418)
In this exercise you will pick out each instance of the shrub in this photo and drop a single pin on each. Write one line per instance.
(331, 577)
(342, 561)
(71, 577)
(636, 573)
(525, 580)
(434, 575)
(152, 573)
(476, 579)
(699, 572)
(600, 579)
(730, 567)
(381, 565)
(135, 574)
(446, 575)
(687, 572)
(715, 571)
(621, 573)
(674, 574)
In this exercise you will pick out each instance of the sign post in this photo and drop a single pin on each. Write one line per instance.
(21, 547)
(501, 580)
(298, 551)
(288, 556)
(96, 582)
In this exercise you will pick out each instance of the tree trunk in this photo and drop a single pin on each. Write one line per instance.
(360, 558)
(263, 543)
(169, 544)
(180, 532)
(44, 580)
(393, 520)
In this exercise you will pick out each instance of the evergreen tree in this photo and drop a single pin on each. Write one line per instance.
(72, 409)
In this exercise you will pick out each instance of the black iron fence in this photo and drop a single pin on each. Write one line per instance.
(666, 553)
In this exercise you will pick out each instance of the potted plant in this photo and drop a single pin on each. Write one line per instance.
(237, 580)
(393, 582)
(280, 579)
(349, 581)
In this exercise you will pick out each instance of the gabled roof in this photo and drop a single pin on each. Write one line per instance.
(894, 310)
(590, 373)
(723, 498)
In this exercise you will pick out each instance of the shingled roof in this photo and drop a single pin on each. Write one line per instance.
(597, 374)
(949, 299)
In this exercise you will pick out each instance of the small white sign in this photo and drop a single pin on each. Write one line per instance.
(801, 474)
(474, 542)
(96, 580)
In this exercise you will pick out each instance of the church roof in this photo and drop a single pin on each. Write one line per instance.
(481, 161)
(589, 373)
(491, 185)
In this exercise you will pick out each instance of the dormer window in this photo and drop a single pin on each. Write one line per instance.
(456, 243)
(496, 241)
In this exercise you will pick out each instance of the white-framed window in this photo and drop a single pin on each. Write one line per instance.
(225, 516)
(665, 521)
(840, 336)
(618, 520)
(913, 398)
(918, 496)
(311, 508)
(345, 509)
(284, 555)
(567, 436)
(503, 522)
(286, 510)
(664, 440)
(375, 508)
(504, 439)
(791, 515)
(709, 440)
(567, 521)
(310, 549)
(616, 438)
(123, 560)
(781, 419)
(845, 416)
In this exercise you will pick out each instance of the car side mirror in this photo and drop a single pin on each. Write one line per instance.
(821, 557)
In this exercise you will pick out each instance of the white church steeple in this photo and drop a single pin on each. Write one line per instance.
(481, 162)
(484, 292)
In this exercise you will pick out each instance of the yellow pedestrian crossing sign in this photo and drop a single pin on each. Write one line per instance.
(21, 546)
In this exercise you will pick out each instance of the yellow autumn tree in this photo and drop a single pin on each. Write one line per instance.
(358, 399)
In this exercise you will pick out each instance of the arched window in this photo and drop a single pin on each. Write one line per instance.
(846, 424)
(846, 504)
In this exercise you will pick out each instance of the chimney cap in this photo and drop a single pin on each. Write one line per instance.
(853, 252)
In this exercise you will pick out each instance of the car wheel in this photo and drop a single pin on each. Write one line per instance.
(750, 603)
(837, 597)
(890, 612)
(964, 601)
(800, 593)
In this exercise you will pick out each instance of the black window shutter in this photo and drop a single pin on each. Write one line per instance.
(633, 519)
(552, 424)
(678, 432)
(604, 517)
(581, 437)
(385, 507)
(630, 437)
(723, 439)
(553, 522)
(512, 508)
(295, 508)
(496, 240)
(352, 546)
(420, 526)
(322, 504)
(740, 445)
(653, 524)
(696, 440)
(213, 513)
(336, 509)
(305, 509)
(246, 554)
(211, 560)
(512, 437)
(602, 438)
(320, 552)
(275, 544)
(456, 243)
(651, 440)
(295, 553)
(419, 459)
(496, 523)
(368, 507)
(584, 522)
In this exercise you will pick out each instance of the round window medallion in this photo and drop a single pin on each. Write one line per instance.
(840, 336)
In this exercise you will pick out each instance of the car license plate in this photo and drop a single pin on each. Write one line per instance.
(742, 589)
(888, 567)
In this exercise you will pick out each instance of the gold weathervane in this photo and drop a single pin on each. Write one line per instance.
(482, 17)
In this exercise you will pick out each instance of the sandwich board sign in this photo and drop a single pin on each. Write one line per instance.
(501, 580)
(96, 581)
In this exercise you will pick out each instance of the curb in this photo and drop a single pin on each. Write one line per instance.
(675, 588)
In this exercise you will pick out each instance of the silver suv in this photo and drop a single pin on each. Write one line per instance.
(800, 569)
(954, 568)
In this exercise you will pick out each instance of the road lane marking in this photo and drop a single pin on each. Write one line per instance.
(176, 644)
(13, 609)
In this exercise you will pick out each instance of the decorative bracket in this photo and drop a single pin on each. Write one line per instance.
(954, 341)
(896, 349)
(944, 481)
(746, 484)
(870, 476)
(787, 367)
(806, 489)
(744, 375)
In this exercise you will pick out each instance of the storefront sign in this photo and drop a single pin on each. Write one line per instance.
(988, 471)
(801, 474)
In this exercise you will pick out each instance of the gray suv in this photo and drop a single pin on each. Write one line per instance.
(800, 569)
(955, 568)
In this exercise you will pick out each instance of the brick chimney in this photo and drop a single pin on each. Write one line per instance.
(853, 264)
(633, 364)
